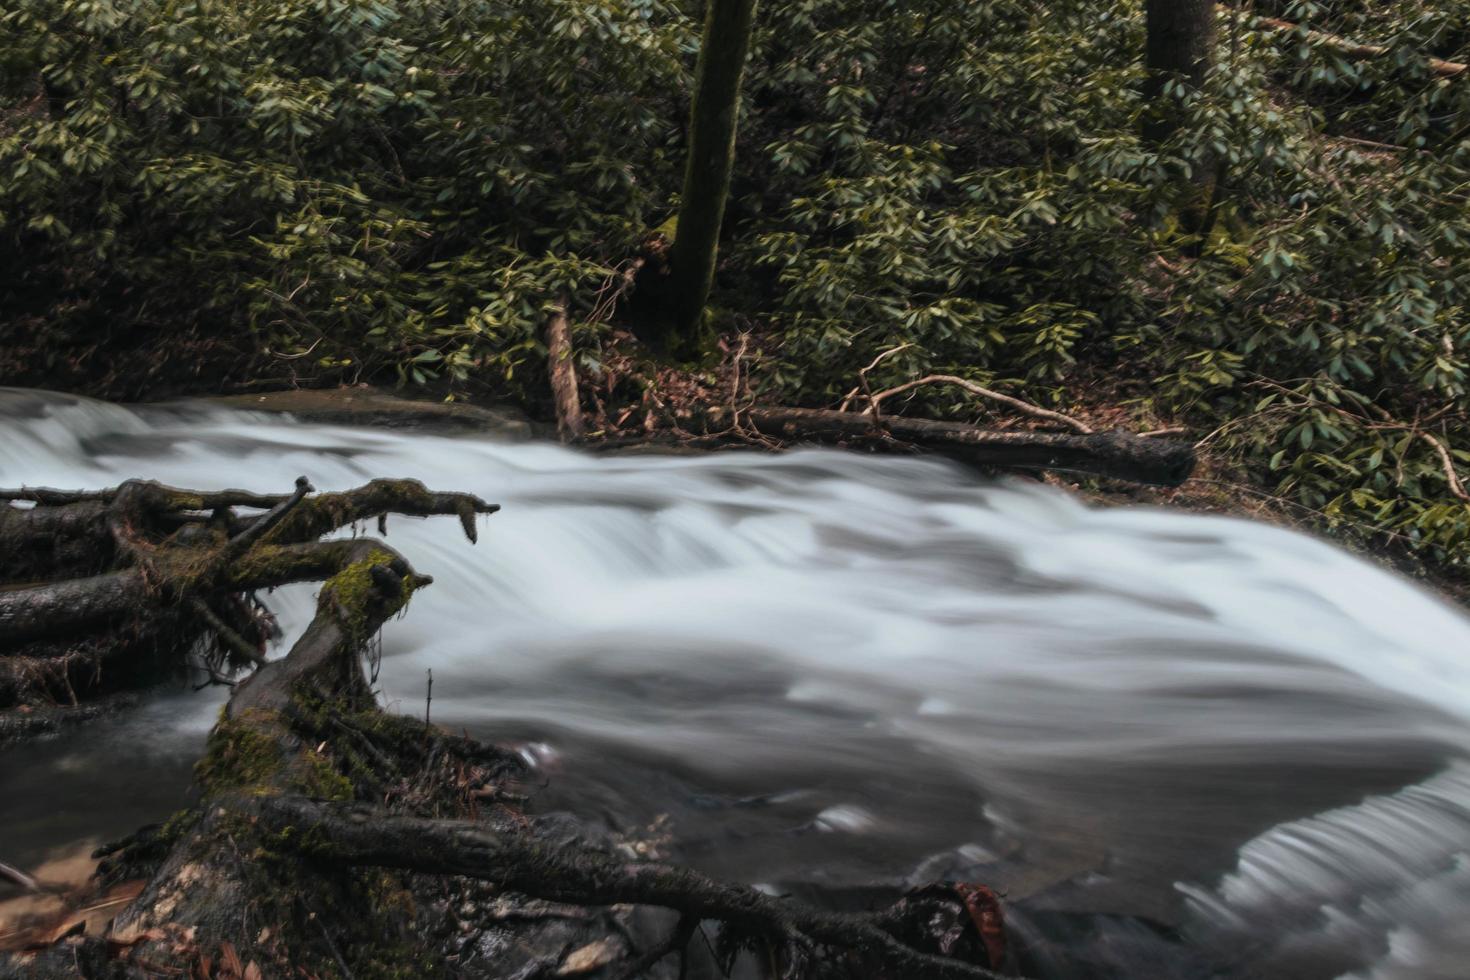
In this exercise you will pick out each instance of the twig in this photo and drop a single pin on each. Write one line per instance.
(258, 528)
(336, 953)
(607, 296)
(1349, 48)
(1456, 487)
(847, 399)
(18, 877)
(297, 356)
(1320, 514)
(1025, 408)
(1370, 144)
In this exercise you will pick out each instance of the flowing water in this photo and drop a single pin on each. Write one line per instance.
(1184, 746)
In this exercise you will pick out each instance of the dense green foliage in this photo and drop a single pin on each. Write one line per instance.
(407, 186)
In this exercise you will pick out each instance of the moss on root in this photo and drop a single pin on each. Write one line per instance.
(354, 590)
(241, 755)
(245, 755)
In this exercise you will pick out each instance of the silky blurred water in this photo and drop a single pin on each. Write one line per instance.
(1184, 746)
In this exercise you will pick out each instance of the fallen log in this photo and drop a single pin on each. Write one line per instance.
(1117, 455)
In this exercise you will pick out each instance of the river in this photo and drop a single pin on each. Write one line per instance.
(1184, 746)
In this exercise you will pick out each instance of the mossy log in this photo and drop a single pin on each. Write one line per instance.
(332, 839)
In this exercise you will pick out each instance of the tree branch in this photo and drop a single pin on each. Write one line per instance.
(1025, 408)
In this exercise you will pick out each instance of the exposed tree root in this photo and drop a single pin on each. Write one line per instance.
(332, 839)
(574, 873)
(171, 567)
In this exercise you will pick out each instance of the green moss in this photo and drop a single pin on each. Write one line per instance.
(316, 776)
(352, 591)
(245, 754)
(240, 754)
(176, 826)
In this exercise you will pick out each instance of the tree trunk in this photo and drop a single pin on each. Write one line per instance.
(712, 126)
(1181, 41)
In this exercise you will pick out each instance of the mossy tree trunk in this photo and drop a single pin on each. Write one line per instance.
(713, 124)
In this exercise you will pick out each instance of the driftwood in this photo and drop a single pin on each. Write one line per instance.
(333, 839)
(1111, 454)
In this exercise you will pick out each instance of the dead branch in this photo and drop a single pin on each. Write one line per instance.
(1453, 478)
(863, 375)
(1025, 408)
(226, 634)
(262, 525)
(18, 878)
(175, 574)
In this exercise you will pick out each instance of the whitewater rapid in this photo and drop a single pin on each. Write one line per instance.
(1185, 745)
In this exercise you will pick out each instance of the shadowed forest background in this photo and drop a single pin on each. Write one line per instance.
(312, 192)
(855, 717)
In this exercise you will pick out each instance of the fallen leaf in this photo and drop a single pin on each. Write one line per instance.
(587, 958)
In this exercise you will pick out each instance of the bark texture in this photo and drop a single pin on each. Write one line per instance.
(1180, 47)
(569, 423)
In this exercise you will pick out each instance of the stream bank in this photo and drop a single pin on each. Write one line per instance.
(834, 675)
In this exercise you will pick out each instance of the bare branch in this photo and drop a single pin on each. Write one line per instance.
(1025, 408)
(1456, 487)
